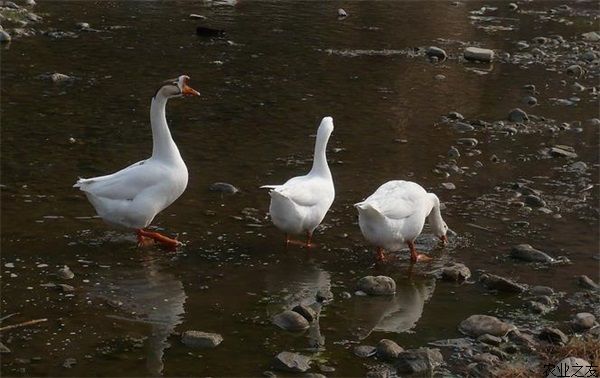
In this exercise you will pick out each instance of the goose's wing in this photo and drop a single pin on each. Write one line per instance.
(126, 183)
(397, 199)
(303, 190)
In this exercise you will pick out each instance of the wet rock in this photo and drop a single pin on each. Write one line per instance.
(433, 51)
(471, 142)
(379, 285)
(65, 273)
(197, 16)
(324, 295)
(534, 201)
(33, 17)
(529, 100)
(388, 350)
(541, 40)
(197, 339)
(538, 307)
(545, 300)
(60, 78)
(223, 187)
(291, 362)
(30, 3)
(591, 37)
(439, 77)
(456, 116)
(462, 127)
(456, 273)
(489, 339)
(523, 340)
(541, 290)
(66, 288)
(569, 364)
(578, 166)
(345, 295)
(291, 321)
(592, 122)
(342, 13)
(589, 55)
(562, 151)
(477, 325)
(530, 88)
(11, 5)
(586, 282)
(486, 358)
(453, 153)
(364, 351)
(4, 349)
(326, 369)
(418, 361)
(526, 252)
(513, 6)
(575, 70)
(494, 282)
(4, 37)
(308, 313)
(448, 185)
(69, 362)
(553, 336)
(517, 115)
(583, 321)
(478, 54)
(577, 87)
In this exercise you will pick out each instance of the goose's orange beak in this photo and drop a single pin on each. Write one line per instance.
(189, 91)
(444, 239)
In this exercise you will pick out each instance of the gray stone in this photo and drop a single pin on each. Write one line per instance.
(456, 273)
(291, 321)
(326, 368)
(453, 153)
(518, 115)
(4, 349)
(60, 78)
(486, 358)
(11, 5)
(342, 13)
(345, 295)
(471, 142)
(589, 55)
(534, 201)
(291, 362)
(436, 52)
(569, 364)
(578, 166)
(197, 16)
(388, 350)
(197, 339)
(439, 77)
(477, 325)
(65, 273)
(307, 312)
(513, 6)
(577, 87)
(223, 187)
(526, 252)
(545, 300)
(66, 288)
(364, 351)
(529, 100)
(553, 335)
(575, 70)
(379, 285)
(448, 185)
(418, 361)
(479, 54)
(541, 290)
(456, 116)
(587, 282)
(594, 122)
(489, 339)
(82, 25)
(591, 36)
(562, 151)
(33, 17)
(30, 3)
(537, 307)
(583, 321)
(463, 127)
(4, 37)
(494, 282)
(525, 341)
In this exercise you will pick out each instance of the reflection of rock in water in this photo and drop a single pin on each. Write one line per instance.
(151, 296)
(399, 313)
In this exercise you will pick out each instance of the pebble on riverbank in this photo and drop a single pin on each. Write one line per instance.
(198, 339)
(527, 253)
(380, 285)
(291, 321)
(478, 54)
(291, 362)
(494, 282)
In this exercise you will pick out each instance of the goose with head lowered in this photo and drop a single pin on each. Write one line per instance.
(299, 205)
(394, 216)
(133, 196)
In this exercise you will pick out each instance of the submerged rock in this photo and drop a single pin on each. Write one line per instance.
(477, 325)
(494, 282)
(307, 312)
(542, 290)
(4, 37)
(197, 339)
(456, 272)
(433, 51)
(479, 54)
(379, 285)
(587, 282)
(562, 151)
(518, 115)
(223, 187)
(291, 362)
(418, 361)
(291, 321)
(526, 252)
(388, 350)
(364, 351)
(65, 273)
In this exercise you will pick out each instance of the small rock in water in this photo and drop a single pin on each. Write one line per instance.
(324, 295)
(577, 87)
(69, 362)
(439, 77)
(60, 78)
(307, 312)
(575, 70)
(534, 201)
(197, 339)
(471, 142)
(494, 282)
(587, 282)
(456, 115)
(65, 273)
(4, 37)
(291, 362)
(477, 325)
(4, 349)
(364, 351)
(433, 51)
(513, 6)
(479, 54)
(448, 186)
(517, 115)
(342, 13)
(197, 16)
(583, 321)
(562, 151)
(538, 307)
(569, 364)
(66, 288)
(291, 321)
(418, 361)
(453, 153)
(541, 290)
(526, 252)
(578, 166)
(456, 272)
(589, 55)
(30, 3)
(489, 339)
(388, 350)
(529, 100)
(593, 122)
(553, 335)
(11, 5)
(591, 36)
(223, 187)
(380, 285)
(82, 25)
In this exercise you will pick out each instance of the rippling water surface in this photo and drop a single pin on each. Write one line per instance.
(282, 66)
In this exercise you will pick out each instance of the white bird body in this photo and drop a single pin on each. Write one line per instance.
(299, 205)
(133, 196)
(394, 215)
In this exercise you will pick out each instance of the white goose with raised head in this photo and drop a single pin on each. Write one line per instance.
(299, 205)
(395, 214)
(133, 196)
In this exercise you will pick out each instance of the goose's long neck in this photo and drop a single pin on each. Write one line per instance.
(435, 215)
(320, 166)
(163, 146)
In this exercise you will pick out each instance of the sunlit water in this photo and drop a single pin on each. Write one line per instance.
(265, 87)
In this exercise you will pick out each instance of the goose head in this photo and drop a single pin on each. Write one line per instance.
(176, 88)
(325, 128)
(438, 226)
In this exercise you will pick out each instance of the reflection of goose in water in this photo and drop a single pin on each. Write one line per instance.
(398, 314)
(153, 297)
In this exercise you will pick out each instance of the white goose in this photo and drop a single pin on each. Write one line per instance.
(299, 205)
(133, 196)
(395, 214)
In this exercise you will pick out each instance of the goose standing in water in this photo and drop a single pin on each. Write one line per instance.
(299, 205)
(133, 196)
(395, 214)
